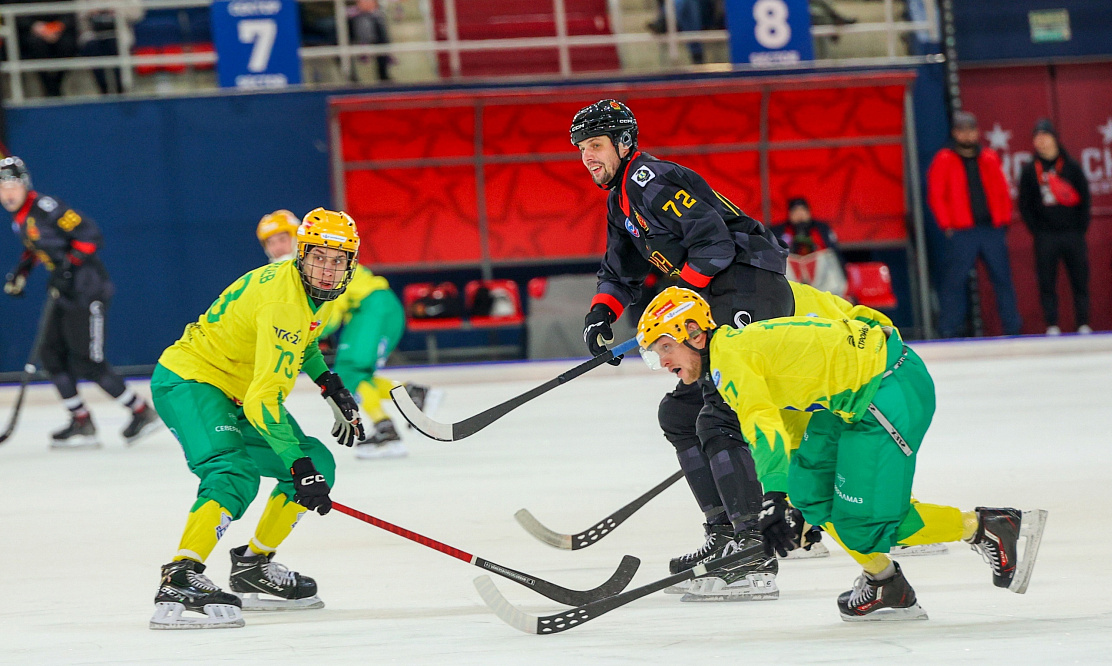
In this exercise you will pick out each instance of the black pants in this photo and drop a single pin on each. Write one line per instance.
(73, 346)
(1069, 248)
(697, 421)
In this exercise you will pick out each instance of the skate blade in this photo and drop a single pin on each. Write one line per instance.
(920, 550)
(679, 588)
(817, 550)
(81, 444)
(252, 601)
(754, 587)
(914, 612)
(1031, 530)
(383, 452)
(143, 432)
(168, 615)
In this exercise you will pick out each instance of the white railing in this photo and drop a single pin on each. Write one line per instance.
(344, 51)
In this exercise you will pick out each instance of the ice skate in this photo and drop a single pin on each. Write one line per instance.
(383, 442)
(79, 434)
(143, 422)
(717, 536)
(997, 539)
(870, 600)
(426, 399)
(920, 550)
(185, 588)
(751, 579)
(256, 575)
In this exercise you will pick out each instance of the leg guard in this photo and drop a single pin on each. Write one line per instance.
(678, 413)
(735, 476)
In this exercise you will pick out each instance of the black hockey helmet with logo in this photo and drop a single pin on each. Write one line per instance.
(607, 117)
(13, 168)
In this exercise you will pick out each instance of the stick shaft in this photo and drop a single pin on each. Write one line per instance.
(402, 532)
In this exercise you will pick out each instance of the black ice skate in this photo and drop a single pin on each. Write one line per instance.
(873, 600)
(997, 539)
(751, 579)
(717, 538)
(79, 434)
(382, 442)
(254, 575)
(185, 588)
(143, 422)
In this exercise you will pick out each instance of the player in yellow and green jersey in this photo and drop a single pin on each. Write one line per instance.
(221, 389)
(370, 320)
(872, 401)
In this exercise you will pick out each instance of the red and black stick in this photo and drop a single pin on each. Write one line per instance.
(617, 582)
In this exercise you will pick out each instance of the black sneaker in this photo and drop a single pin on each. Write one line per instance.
(253, 575)
(880, 600)
(185, 588)
(751, 579)
(997, 539)
(717, 538)
(79, 434)
(143, 422)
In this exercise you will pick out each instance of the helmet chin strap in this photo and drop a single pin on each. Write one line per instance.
(623, 163)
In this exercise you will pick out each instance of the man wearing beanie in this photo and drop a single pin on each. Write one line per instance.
(1054, 202)
(969, 196)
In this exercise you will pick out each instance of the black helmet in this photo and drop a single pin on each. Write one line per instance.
(607, 117)
(13, 168)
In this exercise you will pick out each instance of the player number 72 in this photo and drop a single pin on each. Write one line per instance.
(685, 199)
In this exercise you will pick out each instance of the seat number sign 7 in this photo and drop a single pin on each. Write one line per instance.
(256, 43)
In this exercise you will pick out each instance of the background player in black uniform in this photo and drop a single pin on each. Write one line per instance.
(665, 216)
(73, 348)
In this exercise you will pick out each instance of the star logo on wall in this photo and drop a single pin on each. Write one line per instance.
(998, 137)
(1106, 131)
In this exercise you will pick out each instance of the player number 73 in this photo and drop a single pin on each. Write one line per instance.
(685, 199)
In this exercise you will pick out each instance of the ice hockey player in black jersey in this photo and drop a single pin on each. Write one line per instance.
(664, 216)
(66, 243)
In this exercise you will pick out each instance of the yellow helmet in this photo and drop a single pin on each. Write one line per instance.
(329, 229)
(278, 222)
(668, 314)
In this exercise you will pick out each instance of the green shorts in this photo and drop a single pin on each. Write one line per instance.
(369, 337)
(221, 447)
(855, 475)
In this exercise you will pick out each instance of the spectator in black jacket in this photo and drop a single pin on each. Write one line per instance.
(1054, 202)
(47, 36)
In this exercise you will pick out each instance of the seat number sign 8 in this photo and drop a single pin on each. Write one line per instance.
(769, 32)
(256, 43)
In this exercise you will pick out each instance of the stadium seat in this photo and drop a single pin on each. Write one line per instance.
(870, 284)
(501, 291)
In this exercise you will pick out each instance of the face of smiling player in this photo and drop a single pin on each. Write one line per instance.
(600, 158)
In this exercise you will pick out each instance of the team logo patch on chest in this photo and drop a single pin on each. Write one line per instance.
(632, 229)
(642, 176)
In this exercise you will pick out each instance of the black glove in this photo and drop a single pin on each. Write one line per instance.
(780, 523)
(17, 279)
(62, 279)
(348, 427)
(597, 332)
(311, 490)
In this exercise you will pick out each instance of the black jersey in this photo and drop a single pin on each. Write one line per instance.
(663, 215)
(55, 235)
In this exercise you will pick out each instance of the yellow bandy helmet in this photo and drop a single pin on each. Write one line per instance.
(279, 222)
(329, 229)
(667, 315)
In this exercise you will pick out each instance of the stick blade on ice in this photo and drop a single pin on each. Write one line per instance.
(542, 533)
(443, 432)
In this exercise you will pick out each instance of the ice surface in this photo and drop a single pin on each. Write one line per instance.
(1018, 424)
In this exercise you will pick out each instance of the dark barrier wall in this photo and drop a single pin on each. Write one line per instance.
(1001, 29)
(177, 186)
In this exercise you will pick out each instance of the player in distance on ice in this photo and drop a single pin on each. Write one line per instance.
(220, 389)
(66, 243)
(872, 401)
(370, 320)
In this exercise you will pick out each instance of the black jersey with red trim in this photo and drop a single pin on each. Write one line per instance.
(54, 234)
(663, 215)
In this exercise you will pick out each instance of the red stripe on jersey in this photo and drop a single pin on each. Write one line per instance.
(610, 302)
(694, 277)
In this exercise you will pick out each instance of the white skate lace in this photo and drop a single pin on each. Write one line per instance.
(280, 574)
(862, 591)
(201, 582)
(989, 553)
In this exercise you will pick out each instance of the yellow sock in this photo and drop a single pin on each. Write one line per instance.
(941, 524)
(383, 386)
(969, 524)
(873, 563)
(372, 402)
(278, 520)
(204, 527)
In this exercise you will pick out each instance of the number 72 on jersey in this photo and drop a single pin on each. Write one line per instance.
(256, 43)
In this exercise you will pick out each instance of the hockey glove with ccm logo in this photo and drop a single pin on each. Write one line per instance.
(310, 488)
(780, 523)
(348, 427)
(597, 332)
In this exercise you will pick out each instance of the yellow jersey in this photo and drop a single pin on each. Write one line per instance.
(363, 284)
(801, 364)
(252, 343)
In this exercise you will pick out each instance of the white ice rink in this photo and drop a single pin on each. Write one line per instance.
(1022, 424)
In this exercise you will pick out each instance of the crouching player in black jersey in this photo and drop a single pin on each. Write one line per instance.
(66, 242)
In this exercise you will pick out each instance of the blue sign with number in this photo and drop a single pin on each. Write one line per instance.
(768, 32)
(256, 43)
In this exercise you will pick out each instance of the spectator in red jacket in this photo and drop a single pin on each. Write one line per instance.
(968, 194)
